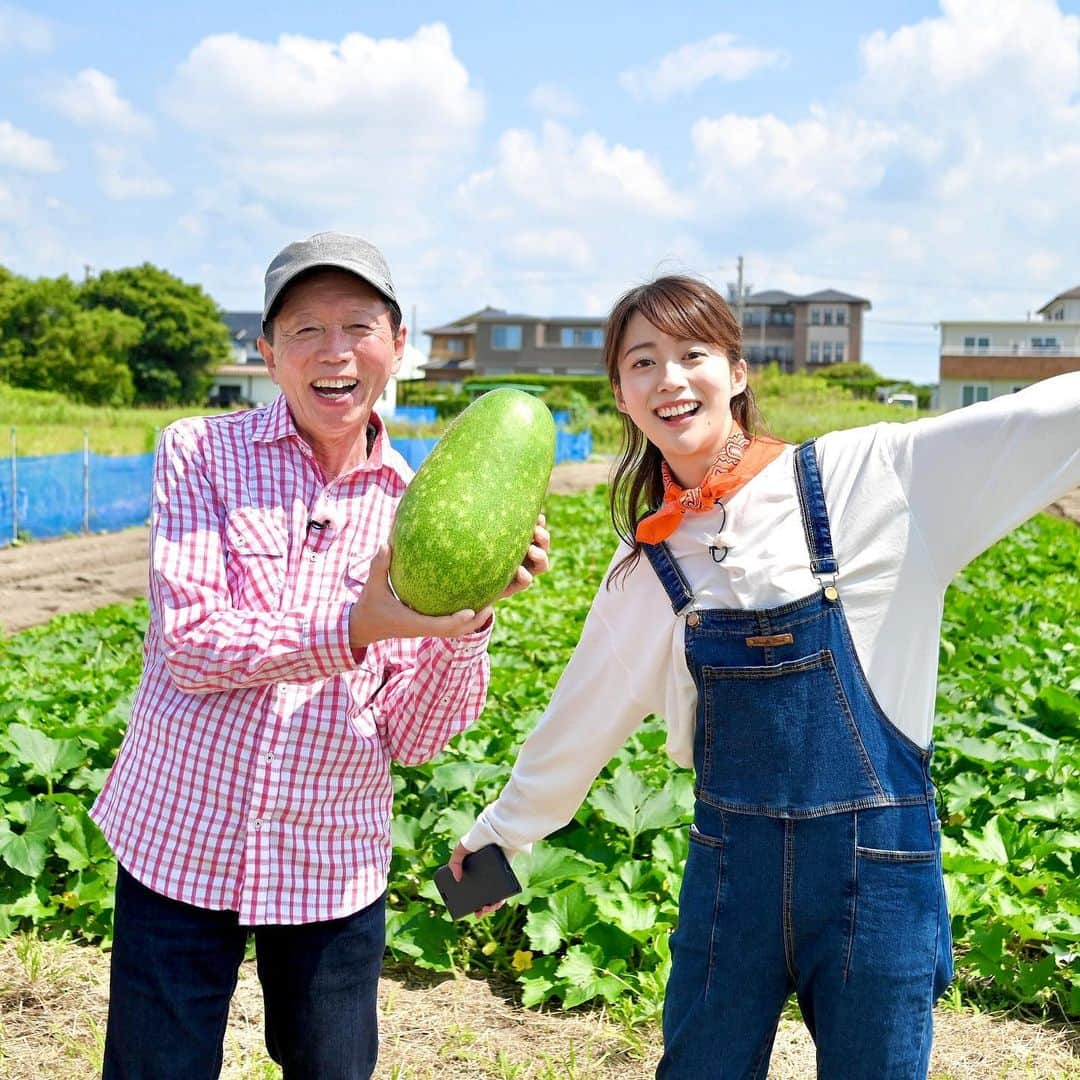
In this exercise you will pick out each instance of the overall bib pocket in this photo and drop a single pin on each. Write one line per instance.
(764, 730)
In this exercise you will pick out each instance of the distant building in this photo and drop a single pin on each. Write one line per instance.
(495, 342)
(245, 381)
(984, 359)
(801, 332)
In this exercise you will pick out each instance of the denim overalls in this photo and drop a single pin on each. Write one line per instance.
(814, 862)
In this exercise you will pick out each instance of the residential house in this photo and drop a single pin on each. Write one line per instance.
(801, 332)
(983, 359)
(496, 342)
(245, 380)
(452, 356)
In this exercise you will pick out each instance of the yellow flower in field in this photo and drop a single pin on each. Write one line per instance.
(522, 960)
(489, 947)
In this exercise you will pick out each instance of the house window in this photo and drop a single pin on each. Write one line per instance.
(815, 316)
(455, 345)
(582, 337)
(828, 316)
(969, 394)
(973, 344)
(838, 352)
(841, 316)
(506, 337)
(1047, 344)
(826, 352)
(815, 356)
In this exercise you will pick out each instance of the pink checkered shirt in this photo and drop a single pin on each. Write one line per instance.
(255, 773)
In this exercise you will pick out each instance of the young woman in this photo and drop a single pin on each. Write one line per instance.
(781, 607)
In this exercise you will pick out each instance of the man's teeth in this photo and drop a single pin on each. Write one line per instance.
(334, 384)
(666, 412)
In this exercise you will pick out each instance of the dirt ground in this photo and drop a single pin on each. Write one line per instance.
(45, 578)
(51, 577)
(54, 1002)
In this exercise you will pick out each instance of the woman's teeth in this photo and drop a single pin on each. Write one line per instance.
(684, 408)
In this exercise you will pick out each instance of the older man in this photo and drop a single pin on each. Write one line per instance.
(281, 675)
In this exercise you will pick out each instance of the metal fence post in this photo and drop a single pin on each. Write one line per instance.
(14, 492)
(86, 482)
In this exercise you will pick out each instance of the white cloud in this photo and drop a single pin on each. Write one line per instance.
(565, 247)
(326, 124)
(1024, 52)
(91, 99)
(124, 175)
(21, 150)
(22, 31)
(685, 69)
(569, 176)
(553, 101)
(814, 164)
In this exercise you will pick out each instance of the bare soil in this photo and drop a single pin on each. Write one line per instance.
(54, 1003)
(45, 578)
(54, 996)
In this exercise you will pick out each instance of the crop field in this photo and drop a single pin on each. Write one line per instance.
(600, 896)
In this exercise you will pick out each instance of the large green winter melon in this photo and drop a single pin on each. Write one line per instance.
(467, 518)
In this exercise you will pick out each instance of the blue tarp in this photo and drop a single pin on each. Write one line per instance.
(51, 494)
(49, 490)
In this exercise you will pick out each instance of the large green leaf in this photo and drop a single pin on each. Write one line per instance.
(27, 850)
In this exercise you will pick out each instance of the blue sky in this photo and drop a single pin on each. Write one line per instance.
(921, 155)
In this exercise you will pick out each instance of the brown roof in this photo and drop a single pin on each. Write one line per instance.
(1071, 294)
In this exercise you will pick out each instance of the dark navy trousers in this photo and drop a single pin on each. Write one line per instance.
(174, 970)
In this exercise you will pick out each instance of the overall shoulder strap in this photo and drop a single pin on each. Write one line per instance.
(815, 516)
(671, 577)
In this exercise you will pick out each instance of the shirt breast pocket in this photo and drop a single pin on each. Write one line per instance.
(256, 544)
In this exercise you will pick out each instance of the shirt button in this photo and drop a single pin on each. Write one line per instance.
(445, 699)
(257, 823)
(693, 619)
(270, 756)
(314, 556)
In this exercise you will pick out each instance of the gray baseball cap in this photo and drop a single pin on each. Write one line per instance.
(328, 249)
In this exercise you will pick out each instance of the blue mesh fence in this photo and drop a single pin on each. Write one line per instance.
(55, 495)
(59, 494)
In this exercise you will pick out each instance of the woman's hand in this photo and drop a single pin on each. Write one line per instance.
(456, 859)
(378, 614)
(535, 561)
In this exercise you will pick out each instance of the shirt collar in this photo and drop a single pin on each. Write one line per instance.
(276, 424)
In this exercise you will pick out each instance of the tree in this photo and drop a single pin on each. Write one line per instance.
(184, 339)
(49, 342)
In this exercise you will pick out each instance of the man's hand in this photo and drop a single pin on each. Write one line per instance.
(378, 614)
(456, 859)
(535, 561)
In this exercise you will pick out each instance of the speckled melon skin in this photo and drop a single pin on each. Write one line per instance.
(467, 518)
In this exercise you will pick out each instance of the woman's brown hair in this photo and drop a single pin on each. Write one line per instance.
(684, 308)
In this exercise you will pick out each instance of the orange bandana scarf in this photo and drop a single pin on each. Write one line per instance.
(741, 459)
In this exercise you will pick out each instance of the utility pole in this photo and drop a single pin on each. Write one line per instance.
(739, 295)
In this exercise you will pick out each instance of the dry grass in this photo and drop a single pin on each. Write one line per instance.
(53, 1003)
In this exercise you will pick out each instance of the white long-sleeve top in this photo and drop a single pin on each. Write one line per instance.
(909, 506)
